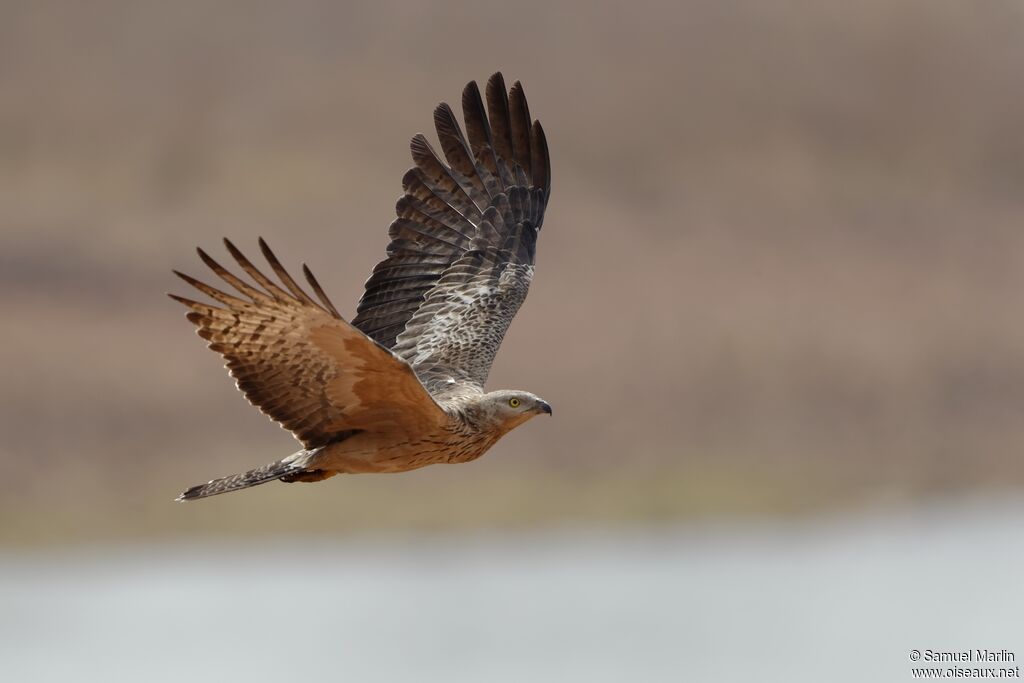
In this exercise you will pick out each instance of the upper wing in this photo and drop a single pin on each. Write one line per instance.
(300, 363)
(462, 248)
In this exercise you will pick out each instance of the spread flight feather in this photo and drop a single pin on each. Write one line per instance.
(434, 311)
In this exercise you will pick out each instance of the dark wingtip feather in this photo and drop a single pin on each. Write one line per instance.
(209, 291)
(267, 253)
(181, 299)
(521, 126)
(237, 254)
(418, 143)
(229, 277)
(208, 260)
(457, 149)
(478, 128)
(190, 280)
(254, 272)
(442, 112)
(471, 95)
(541, 159)
(318, 290)
(424, 156)
(498, 112)
(496, 81)
(232, 249)
(282, 273)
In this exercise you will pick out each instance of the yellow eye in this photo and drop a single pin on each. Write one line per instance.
(514, 402)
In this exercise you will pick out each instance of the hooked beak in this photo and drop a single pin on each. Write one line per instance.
(544, 407)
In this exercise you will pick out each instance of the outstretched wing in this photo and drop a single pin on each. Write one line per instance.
(300, 363)
(462, 248)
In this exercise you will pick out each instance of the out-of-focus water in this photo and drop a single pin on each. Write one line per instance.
(836, 600)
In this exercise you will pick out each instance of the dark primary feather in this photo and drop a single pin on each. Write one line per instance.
(466, 225)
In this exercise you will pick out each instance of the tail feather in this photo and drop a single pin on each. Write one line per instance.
(236, 482)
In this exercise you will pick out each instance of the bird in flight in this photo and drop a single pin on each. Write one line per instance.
(401, 386)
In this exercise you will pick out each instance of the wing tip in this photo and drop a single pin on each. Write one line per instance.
(420, 146)
(265, 249)
(497, 81)
(185, 276)
(207, 259)
(181, 299)
(471, 93)
(319, 291)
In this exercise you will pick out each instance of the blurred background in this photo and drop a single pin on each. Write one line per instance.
(776, 310)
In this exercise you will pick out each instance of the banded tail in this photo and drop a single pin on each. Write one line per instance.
(236, 482)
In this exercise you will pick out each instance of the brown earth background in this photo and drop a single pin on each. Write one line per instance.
(781, 270)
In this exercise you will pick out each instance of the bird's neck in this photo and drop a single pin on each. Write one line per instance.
(471, 414)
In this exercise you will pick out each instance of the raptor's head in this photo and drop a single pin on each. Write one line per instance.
(511, 407)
